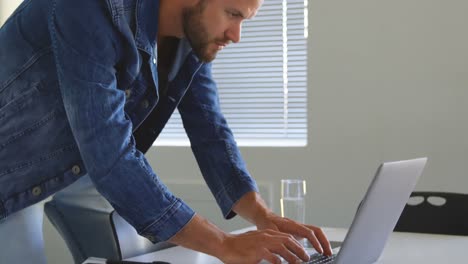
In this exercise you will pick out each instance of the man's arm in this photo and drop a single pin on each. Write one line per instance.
(212, 142)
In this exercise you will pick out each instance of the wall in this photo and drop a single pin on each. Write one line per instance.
(388, 80)
(6, 8)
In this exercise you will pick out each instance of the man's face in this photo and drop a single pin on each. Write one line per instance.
(212, 24)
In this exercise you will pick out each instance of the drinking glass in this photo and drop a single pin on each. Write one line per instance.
(293, 193)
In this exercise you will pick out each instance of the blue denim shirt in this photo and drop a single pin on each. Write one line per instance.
(79, 96)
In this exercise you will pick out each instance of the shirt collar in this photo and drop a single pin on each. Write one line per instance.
(147, 20)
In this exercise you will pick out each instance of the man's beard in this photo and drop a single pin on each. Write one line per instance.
(196, 33)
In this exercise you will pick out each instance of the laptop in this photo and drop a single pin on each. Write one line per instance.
(377, 214)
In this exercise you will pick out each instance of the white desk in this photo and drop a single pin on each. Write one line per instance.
(413, 248)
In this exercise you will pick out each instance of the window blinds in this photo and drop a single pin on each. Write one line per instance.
(262, 80)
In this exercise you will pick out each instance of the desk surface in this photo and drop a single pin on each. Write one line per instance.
(413, 248)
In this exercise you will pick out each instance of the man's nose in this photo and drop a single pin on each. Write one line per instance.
(233, 33)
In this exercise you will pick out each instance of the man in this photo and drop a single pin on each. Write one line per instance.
(84, 93)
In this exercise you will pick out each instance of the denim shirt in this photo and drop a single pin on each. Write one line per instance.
(79, 96)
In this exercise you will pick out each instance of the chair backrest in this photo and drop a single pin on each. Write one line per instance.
(91, 228)
(130, 243)
(436, 213)
(84, 227)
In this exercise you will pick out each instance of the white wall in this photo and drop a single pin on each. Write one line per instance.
(6, 8)
(388, 80)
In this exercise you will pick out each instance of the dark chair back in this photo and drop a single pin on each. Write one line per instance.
(91, 228)
(435, 213)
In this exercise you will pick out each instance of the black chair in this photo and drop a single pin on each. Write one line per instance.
(435, 213)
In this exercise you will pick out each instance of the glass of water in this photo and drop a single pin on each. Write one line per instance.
(293, 193)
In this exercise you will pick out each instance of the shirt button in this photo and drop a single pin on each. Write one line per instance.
(76, 169)
(127, 93)
(36, 191)
(154, 60)
(145, 104)
(150, 237)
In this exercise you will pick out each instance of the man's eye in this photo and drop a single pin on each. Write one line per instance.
(232, 14)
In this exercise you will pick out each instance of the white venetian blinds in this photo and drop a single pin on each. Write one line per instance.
(262, 80)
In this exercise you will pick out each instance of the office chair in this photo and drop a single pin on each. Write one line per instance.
(91, 228)
(435, 213)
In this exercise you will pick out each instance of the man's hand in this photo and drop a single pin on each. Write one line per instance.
(274, 238)
(248, 248)
(314, 234)
(254, 209)
(254, 246)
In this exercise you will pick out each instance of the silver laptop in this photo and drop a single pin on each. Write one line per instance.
(378, 213)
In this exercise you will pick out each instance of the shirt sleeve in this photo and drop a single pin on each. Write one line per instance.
(213, 143)
(86, 48)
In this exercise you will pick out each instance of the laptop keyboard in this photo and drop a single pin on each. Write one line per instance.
(321, 259)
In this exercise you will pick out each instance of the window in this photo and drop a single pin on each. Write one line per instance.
(262, 80)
